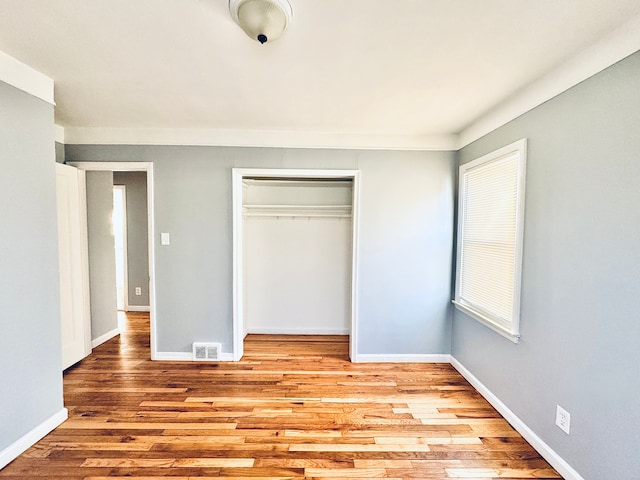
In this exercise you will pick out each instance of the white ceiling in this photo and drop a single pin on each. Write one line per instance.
(414, 68)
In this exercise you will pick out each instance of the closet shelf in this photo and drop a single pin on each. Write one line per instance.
(326, 211)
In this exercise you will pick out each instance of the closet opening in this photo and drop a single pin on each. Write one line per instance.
(295, 253)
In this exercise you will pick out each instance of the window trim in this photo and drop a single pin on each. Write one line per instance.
(510, 330)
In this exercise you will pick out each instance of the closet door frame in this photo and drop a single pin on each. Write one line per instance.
(237, 177)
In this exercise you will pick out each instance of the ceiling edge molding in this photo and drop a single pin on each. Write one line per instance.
(25, 78)
(255, 138)
(612, 48)
(59, 133)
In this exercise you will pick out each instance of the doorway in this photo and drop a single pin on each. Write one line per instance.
(148, 276)
(241, 179)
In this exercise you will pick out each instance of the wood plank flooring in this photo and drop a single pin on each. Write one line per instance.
(293, 408)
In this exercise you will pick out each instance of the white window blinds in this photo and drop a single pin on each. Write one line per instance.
(491, 207)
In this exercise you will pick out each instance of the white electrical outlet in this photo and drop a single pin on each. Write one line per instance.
(138, 290)
(563, 419)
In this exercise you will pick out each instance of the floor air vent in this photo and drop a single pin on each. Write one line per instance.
(206, 351)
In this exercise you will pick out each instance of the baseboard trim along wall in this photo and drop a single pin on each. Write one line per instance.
(529, 435)
(103, 338)
(138, 308)
(30, 438)
(402, 358)
(295, 331)
(188, 357)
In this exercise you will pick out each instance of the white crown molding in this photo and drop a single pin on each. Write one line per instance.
(25, 78)
(550, 455)
(31, 437)
(59, 133)
(612, 48)
(254, 138)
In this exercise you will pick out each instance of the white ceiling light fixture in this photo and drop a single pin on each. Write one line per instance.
(262, 20)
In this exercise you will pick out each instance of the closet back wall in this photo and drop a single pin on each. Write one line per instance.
(297, 241)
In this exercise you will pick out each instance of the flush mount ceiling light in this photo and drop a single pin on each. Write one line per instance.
(262, 20)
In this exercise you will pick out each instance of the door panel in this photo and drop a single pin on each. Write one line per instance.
(74, 321)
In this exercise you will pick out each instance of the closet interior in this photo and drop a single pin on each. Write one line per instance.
(297, 242)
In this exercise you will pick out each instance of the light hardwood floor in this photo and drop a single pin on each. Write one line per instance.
(293, 408)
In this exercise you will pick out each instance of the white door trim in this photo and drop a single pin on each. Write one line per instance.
(237, 176)
(125, 267)
(84, 228)
(137, 167)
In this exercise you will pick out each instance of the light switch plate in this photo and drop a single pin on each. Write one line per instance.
(165, 239)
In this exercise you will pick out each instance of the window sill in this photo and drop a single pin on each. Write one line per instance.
(486, 321)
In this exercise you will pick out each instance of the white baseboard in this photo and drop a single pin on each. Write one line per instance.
(187, 357)
(174, 356)
(529, 435)
(27, 440)
(296, 331)
(402, 358)
(103, 338)
(138, 308)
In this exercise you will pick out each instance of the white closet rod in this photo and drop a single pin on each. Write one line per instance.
(325, 211)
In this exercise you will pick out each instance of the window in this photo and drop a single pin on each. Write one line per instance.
(490, 225)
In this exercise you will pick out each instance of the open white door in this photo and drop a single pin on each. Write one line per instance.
(72, 249)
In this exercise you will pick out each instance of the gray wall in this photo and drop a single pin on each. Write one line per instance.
(137, 235)
(405, 240)
(30, 356)
(102, 260)
(59, 152)
(581, 277)
(406, 230)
